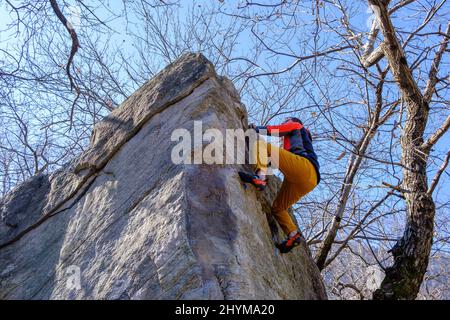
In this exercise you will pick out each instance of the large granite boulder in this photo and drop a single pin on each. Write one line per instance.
(122, 221)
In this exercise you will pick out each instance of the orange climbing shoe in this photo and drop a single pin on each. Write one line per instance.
(291, 242)
(253, 179)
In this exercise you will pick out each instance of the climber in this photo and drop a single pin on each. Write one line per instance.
(299, 165)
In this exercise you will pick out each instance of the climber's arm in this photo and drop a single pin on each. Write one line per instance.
(279, 130)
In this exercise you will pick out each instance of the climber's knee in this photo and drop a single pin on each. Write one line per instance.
(277, 207)
(285, 221)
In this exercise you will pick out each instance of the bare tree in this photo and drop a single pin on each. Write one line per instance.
(411, 253)
(290, 57)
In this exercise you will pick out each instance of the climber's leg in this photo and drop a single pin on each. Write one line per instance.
(299, 179)
(289, 194)
(295, 168)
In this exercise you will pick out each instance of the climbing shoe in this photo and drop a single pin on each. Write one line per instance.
(291, 242)
(253, 179)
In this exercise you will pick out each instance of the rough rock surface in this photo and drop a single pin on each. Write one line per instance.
(122, 221)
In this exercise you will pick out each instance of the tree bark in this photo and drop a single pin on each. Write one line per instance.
(411, 253)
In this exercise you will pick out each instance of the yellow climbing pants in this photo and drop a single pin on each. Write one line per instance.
(300, 178)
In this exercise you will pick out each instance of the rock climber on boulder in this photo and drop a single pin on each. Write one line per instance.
(299, 165)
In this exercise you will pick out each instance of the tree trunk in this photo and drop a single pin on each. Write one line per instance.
(412, 251)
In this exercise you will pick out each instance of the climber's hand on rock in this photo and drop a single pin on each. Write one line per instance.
(252, 126)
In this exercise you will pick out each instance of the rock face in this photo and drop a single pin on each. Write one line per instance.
(122, 221)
